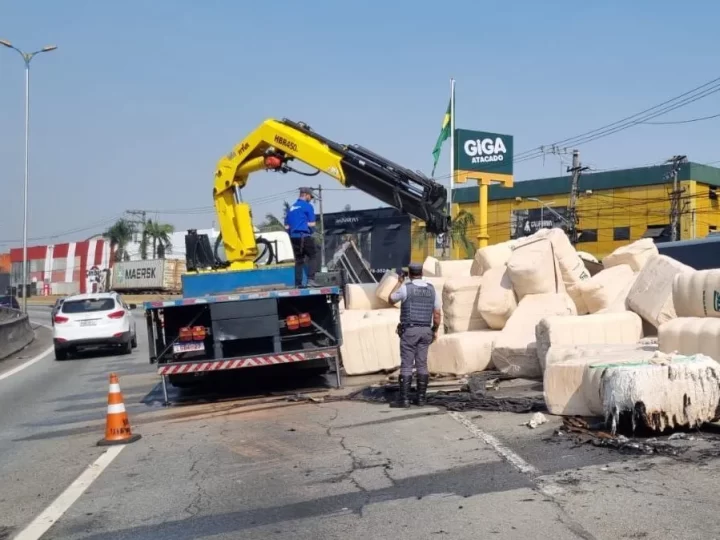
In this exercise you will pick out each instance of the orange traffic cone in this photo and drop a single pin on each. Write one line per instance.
(117, 425)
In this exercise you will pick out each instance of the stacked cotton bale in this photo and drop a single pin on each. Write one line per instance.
(533, 269)
(515, 352)
(651, 295)
(600, 329)
(462, 353)
(496, 301)
(572, 267)
(601, 291)
(429, 266)
(460, 305)
(454, 268)
(696, 330)
(635, 254)
(494, 256)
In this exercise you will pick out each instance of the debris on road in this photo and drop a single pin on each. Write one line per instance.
(536, 420)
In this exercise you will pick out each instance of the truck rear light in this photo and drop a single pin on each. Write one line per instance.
(198, 333)
(186, 334)
(117, 314)
(304, 319)
(59, 319)
(293, 322)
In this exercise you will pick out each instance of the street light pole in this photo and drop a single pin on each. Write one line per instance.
(27, 58)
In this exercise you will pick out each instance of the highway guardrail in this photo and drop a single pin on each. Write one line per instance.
(16, 332)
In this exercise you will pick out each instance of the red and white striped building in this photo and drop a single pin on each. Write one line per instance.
(71, 268)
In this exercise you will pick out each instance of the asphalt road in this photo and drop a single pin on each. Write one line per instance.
(344, 470)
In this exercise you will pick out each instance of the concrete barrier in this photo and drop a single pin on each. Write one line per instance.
(16, 332)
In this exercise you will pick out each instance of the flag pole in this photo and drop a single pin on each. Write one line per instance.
(452, 158)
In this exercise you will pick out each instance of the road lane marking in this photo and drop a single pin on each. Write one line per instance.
(30, 362)
(516, 461)
(65, 500)
(27, 364)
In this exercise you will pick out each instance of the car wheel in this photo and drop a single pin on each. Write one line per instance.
(61, 354)
(127, 347)
(133, 342)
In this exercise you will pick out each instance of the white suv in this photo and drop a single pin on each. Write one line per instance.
(93, 320)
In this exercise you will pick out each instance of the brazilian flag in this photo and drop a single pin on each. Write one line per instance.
(444, 135)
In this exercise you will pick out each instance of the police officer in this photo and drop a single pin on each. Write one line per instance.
(299, 222)
(420, 317)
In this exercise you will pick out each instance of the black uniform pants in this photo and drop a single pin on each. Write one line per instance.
(304, 248)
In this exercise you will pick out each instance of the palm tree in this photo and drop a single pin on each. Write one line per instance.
(159, 234)
(120, 234)
(271, 223)
(459, 233)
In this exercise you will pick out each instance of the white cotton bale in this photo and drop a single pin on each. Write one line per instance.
(674, 392)
(429, 266)
(370, 344)
(462, 353)
(697, 294)
(651, 294)
(562, 387)
(459, 304)
(600, 291)
(600, 360)
(605, 329)
(496, 301)
(515, 351)
(691, 335)
(362, 296)
(635, 254)
(386, 285)
(489, 257)
(569, 386)
(585, 256)
(438, 283)
(619, 303)
(533, 269)
(452, 269)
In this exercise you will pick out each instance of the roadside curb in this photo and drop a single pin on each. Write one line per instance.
(16, 332)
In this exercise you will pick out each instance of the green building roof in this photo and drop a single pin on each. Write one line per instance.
(641, 176)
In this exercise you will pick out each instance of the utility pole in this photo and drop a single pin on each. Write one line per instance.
(573, 220)
(142, 221)
(323, 268)
(675, 196)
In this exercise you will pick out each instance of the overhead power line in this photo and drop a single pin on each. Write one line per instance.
(700, 119)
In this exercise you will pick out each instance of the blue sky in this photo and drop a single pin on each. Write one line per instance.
(141, 98)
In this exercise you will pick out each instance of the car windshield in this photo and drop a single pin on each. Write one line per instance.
(88, 305)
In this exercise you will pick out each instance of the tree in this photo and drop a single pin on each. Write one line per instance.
(272, 222)
(459, 233)
(120, 234)
(347, 208)
(159, 234)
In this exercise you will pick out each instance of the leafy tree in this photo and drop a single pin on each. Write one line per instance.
(159, 234)
(460, 234)
(120, 234)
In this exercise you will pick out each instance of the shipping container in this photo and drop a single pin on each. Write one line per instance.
(162, 275)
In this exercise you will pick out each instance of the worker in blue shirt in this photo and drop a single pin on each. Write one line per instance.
(299, 223)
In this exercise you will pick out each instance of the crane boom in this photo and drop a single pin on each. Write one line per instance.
(276, 143)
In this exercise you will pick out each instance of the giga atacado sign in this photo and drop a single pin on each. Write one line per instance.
(483, 152)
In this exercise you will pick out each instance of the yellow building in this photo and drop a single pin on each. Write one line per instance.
(614, 207)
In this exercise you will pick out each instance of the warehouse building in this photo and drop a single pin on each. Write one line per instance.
(62, 269)
(614, 208)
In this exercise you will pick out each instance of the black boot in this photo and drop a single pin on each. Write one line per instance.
(403, 400)
(422, 384)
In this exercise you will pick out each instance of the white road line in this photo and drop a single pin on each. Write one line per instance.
(543, 485)
(62, 504)
(27, 364)
(519, 463)
(30, 362)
